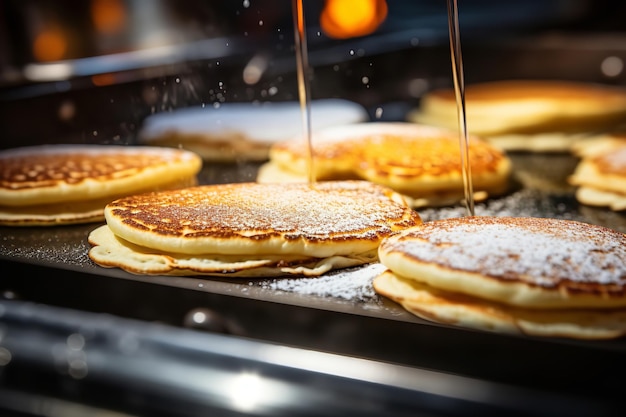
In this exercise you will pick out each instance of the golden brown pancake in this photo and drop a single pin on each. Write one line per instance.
(456, 309)
(422, 163)
(62, 184)
(250, 229)
(600, 144)
(245, 130)
(601, 174)
(528, 115)
(539, 276)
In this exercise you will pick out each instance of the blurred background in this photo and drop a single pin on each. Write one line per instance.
(91, 71)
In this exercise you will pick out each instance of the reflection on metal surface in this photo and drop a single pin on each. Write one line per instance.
(380, 373)
(187, 373)
(251, 385)
(249, 391)
(45, 406)
(5, 356)
(48, 72)
(134, 60)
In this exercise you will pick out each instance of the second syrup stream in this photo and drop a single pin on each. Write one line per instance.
(302, 66)
(459, 91)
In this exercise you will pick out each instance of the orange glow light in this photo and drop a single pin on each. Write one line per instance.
(49, 45)
(342, 19)
(109, 16)
(101, 80)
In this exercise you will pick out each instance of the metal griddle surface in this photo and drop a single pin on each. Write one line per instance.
(539, 189)
(50, 265)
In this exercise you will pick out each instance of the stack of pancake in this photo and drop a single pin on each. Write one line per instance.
(528, 115)
(65, 184)
(250, 229)
(536, 276)
(601, 173)
(242, 131)
(422, 163)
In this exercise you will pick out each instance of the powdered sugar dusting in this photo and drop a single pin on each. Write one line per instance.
(522, 203)
(353, 284)
(326, 211)
(541, 251)
(49, 249)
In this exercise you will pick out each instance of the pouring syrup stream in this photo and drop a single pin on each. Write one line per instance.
(459, 91)
(302, 67)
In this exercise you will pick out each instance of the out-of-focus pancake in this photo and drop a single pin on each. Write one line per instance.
(423, 163)
(250, 229)
(243, 130)
(62, 184)
(528, 115)
(601, 174)
(538, 276)
(600, 144)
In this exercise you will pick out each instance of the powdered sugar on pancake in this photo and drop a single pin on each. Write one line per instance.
(539, 251)
(295, 208)
(263, 218)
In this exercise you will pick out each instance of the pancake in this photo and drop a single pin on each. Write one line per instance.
(250, 229)
(528, 115)
(600, 144)
(422, 163)
(68, 184)
(242, 131)
(539, 276)
(601, 174)
(445, 307)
